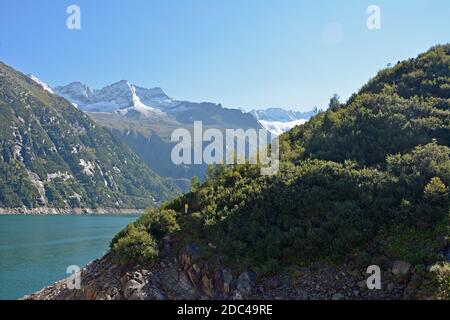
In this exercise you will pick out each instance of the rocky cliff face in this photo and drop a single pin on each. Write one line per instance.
(187, 276)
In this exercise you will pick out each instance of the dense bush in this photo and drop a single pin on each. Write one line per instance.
(139, 241)
(412, 243)
(135, 246)
(316, 210)
(435, 284)
(436, 193)
(159, 222)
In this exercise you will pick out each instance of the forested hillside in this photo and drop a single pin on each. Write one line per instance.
(365, 182)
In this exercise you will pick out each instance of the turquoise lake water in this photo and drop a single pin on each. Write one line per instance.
(35, 251)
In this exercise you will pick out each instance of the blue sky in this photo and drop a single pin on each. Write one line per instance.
(246, 53)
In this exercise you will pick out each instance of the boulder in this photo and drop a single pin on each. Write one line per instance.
(338, 296)
(133, 290)
(401, 268)
(244, 284)
(224, 280)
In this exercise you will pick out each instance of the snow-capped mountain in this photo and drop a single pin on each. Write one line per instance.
(127, 99)
(281, 115)
(76, 92)
(278, 127)
(121, 97)
(278, 120)
(154, 97)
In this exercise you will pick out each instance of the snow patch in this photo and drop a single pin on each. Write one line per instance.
(277, 127)
(281, 115)
(41, 83)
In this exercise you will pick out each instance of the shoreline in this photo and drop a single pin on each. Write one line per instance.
(69, 211)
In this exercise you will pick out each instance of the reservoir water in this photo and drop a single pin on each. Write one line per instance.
(35, 251)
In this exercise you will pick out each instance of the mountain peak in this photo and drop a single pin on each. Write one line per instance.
(119, 84)
(76, 92)
(120, 95)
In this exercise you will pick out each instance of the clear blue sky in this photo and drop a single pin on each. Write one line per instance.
(241, 53)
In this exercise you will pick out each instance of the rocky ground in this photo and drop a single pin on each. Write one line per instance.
(187, 277)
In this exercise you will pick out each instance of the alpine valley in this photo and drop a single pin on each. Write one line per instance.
(75, 149)
(145, 119)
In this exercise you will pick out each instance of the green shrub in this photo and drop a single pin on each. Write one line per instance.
(431, 284)
(411, 243)
(135, 246)
(138, 242)
(436, 192)
(159, 222)
(441, 273)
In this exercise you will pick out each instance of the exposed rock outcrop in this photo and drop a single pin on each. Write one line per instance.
(188, 276)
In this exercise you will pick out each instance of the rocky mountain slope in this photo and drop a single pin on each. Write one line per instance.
(186, 278)
(54, 156)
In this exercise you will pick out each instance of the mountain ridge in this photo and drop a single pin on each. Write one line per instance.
(281, 115)
(53, 155)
